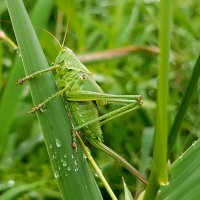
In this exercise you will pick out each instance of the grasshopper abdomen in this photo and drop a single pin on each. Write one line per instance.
(83, 112)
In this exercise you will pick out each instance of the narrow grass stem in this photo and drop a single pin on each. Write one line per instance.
(159, 167)
(161, 131)
(96, 168)
(153, 187)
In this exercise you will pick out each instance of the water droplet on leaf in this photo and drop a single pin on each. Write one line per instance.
(57, 174)
(193, 143)
(58, 143)
(69, 168)
(84, 156)
(43, 109)
(11, 183)
(76, 169)
(76, 162)
(64, 163)
(54, 155)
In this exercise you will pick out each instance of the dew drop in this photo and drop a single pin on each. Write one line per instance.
(65, 174)
(65, 156)
(19, 53)
(193, 143)
(56, 174)
(64, 163)
(181, 156)
(50, 146)
(58, 143)
(84, 156)
(72, 156)
(76, 162)
(43, 109)
(54, 155)
(69, 168)
(11, 183)
(76, 169)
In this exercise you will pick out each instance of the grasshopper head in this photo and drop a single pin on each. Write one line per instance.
(68, 59)
(63, 55)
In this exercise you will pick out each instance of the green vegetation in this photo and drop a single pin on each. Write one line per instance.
(118, 41)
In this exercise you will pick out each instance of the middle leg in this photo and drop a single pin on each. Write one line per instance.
(133, 101)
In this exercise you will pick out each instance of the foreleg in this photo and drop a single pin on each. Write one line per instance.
(38, 73)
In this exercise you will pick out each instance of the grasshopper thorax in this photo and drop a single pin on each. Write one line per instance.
(69, 61)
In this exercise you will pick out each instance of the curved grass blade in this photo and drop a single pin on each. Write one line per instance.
(184, 176)
(184, 105)
(18, 190)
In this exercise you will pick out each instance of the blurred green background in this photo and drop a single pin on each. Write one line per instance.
(98, 26)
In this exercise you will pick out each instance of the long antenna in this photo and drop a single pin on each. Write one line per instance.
(66, 30)
(50, 35)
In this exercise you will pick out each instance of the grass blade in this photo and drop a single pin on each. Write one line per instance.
(8, 104)
(184, 105)
(184, 176)
(54, 122)
(159, 174)
(161, 131)
(127, 193)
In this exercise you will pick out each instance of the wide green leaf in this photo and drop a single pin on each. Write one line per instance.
(184, 176)
(70, 169)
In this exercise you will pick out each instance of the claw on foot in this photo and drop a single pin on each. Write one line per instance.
(35, 109)
(21, 81)
(140, 100)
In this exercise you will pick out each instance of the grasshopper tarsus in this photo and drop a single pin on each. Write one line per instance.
(83, 76)
(140, 102)
(73, 144)
(21, 81)
(35, 109)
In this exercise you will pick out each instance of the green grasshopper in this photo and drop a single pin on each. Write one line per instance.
(82, 96)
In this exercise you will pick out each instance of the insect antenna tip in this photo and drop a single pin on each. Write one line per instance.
(66, 29)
